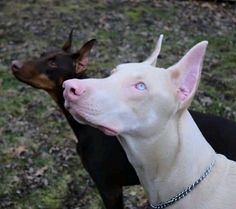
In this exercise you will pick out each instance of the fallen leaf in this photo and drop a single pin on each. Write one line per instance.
(41, 171)
(18, 150)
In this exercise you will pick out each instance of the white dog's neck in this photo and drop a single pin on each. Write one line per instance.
(172, 160)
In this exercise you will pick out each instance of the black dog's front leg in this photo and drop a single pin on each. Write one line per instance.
(112, 196)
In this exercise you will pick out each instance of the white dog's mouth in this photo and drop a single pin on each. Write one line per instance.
(108, 131)
(66, 105)
(85, 120)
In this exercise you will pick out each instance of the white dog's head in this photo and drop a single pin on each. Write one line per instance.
(137, 98)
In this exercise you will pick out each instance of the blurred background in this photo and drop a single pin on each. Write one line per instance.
(39, 167)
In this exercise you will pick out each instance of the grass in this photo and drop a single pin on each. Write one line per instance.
(136, 13)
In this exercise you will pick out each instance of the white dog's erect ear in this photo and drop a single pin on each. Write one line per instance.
(186, 73)
(152, 60)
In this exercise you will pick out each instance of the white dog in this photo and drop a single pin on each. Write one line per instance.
(146, 107)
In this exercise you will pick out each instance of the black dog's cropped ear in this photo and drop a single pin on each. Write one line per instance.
(82, 56)
(67, 45)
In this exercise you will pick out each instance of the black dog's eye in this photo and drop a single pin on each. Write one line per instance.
(52, 63)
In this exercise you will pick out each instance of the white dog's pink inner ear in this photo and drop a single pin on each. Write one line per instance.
(187, 71)
(187, 83)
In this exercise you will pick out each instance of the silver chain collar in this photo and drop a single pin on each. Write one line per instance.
(184, 192)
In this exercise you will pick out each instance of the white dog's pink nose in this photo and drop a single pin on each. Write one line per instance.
(73, 89)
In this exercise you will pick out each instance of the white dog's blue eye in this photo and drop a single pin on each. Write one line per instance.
(140, 86)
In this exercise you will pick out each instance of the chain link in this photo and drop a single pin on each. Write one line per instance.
(184, 192)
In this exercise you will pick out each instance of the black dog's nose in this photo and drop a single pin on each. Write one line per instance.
(16, 65)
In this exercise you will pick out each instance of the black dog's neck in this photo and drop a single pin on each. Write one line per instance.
(76, 127)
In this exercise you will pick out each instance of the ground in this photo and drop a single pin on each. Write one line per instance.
(39, 167)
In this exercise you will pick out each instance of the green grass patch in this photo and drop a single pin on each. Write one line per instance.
(7, 181)
(104, 34)
(7, 80)
(10, 9)
(49, 197)
(135, 14)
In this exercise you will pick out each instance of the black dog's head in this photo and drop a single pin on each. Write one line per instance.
(52, 68)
